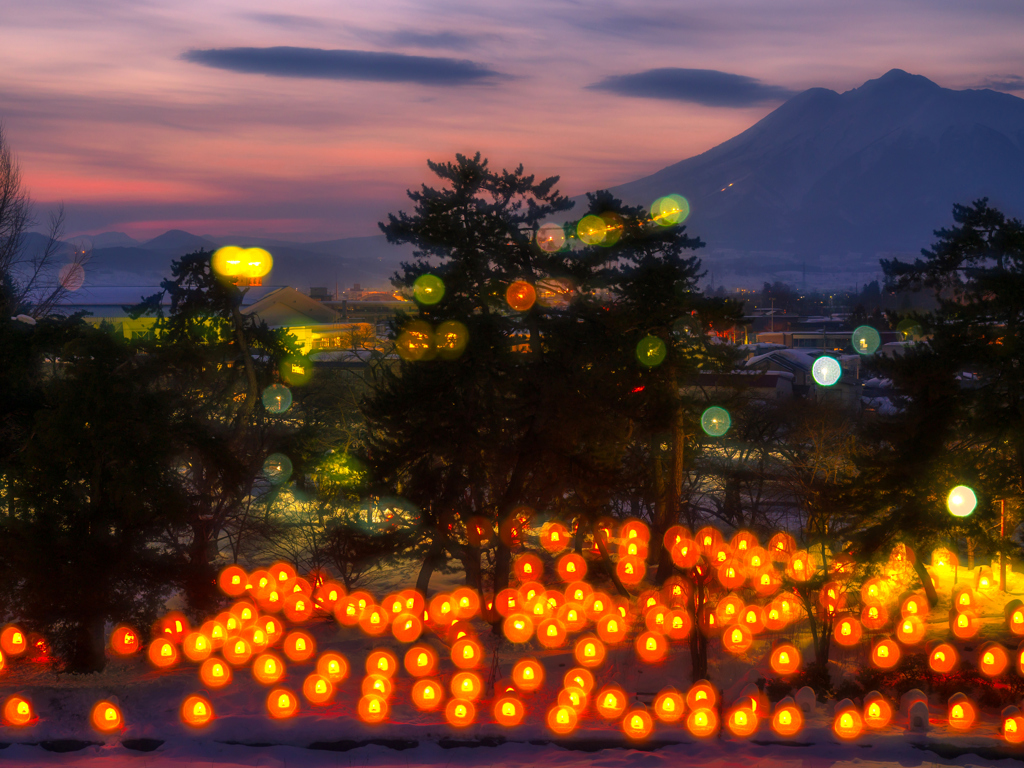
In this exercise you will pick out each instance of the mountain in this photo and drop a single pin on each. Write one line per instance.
(369, 261)
(828, 182)
(106, 240)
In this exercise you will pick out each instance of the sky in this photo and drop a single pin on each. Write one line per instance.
(310, 119)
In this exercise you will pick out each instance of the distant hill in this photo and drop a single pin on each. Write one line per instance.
(369, 261)
(828, 182)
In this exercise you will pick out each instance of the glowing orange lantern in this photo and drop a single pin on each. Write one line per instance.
(964, 599)
(741, 722)
(124, 641)
(18, 712)
(992, 660)
(260, 583)
(848, 724)
(507, 602)
(800, 568)
(874, 617)
(737, 639)
(467, 685)
(528, 568)
(685, 553)
(885, 654)
(1015, 617)
(233, 581)
(372, 708)
(1013, 725)
(554, 537)
(333, 666)
(268, 669)
(562, 719)
(518, 628)
(328, 594)
(651, 647)
(573, 617)
(106, 717)
(381, 663)
(460, 713)
(669, 706)
(961, 712)
(631, 570)
(785, 659)
(774, 617)
(877, 711)
(215, 673)
(375, 621)
(551, 633)
(589, 652)
(963, 624)
(702, 722)
(943, 658)
(466, 653)
(731, 574)
(229, 621)
(347, 610)
(256, 636)
(678, 624)
(420, 661)
(571, 567)
(637, 724)
(282, 703)
(196, 711)
(873, 591)
(573, 697)
(910, 630)
(915, 605)
(509, 711)
(579, 677)
(163, 653)
(173, 626)
(237, 651)
(299, 646)
(610, 702)
(318, 689)
(611, 628)
(197, 646)
(245, 612)
(427, 695)
(216, 631)
(847, 631)
(466, 603)
(406, 628)
(597, 605)
(378, 685)
(787, 720)
(729, 609)
(528, 674)
(701, 694)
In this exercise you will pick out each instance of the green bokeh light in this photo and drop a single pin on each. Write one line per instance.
(651, 351)
(428, 289)
(715, 421)
(669, 210)
(866, 340)
(277, 399)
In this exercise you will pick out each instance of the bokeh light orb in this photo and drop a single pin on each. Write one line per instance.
(428, 289)
(826, 371)
(866, 340)
(591, 230)
(550, 238)
(71, 277)
(451, 339)
(520, 295)
(670, 210)
(277, 468)
(715, 421)
(232, 261)
(651, 351)
(961, 501)
(277, 399)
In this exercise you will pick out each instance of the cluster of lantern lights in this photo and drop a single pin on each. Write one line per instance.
(268, 600)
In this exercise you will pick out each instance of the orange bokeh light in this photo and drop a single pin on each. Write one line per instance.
(299, 646)
(106, 717)
(509, 711)
(381, 663)
(215, 673)
(637, 724)
(427, 695)
(124, 641)
(651, 647)
(196, 711)
(562, 719)
(571, 567)
(162, 653)
(943, 658)
(282, 703)
(877, 711)
(197, 646)
(741, 722)
(589, 652)
(317, 689)
(785, 659)
(460, 713)
(520, 295)
(233, 581)
(372, 708)
(528, 674)
(237, 651)
(788, 720)
(848, 724)
(333, 666)
(847, 631)
(669, 706)
(702, 722)
(885, 654)
(467, 685)
(268, 669)
(992, 660)
(610, 702)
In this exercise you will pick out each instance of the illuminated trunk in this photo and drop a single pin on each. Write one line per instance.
(669, 514)
(926, 582)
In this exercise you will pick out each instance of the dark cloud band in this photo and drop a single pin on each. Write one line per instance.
(285, 61)
(699, 86)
